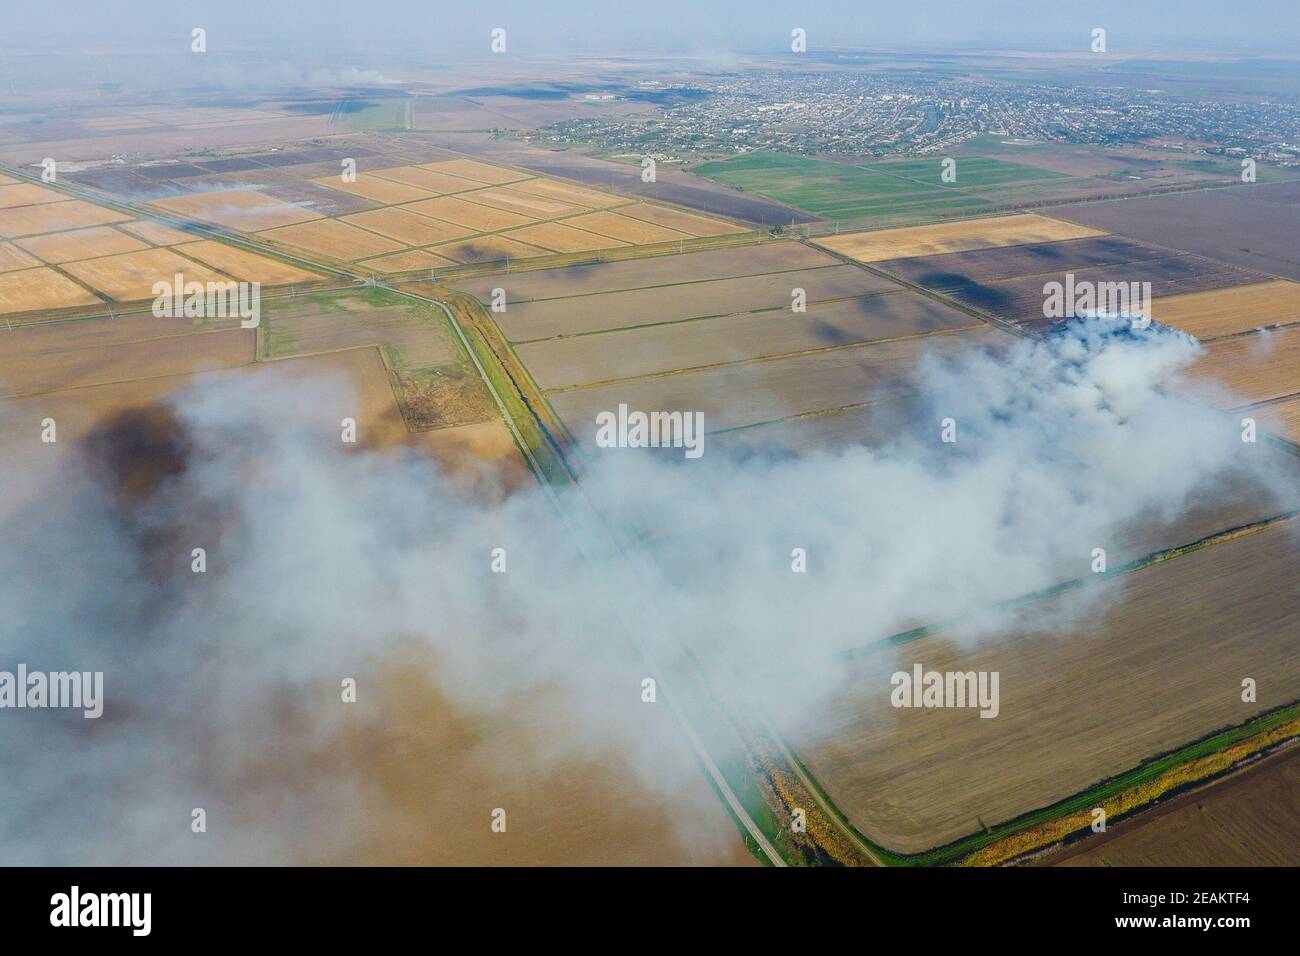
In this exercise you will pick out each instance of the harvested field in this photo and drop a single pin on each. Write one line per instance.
(565, 192)
(617, 226)
(80, 244)
(753, 392)
(131, 275)
(103, 364)
(476, 217)
(1022, 299)
(1148, 672)
(11, 258)
(30, 289)
(1287, 414)
(958, 269)
(611, 310)
(332, 237)
(1252, 368)
(538, 207)
(686, 222)
(584, 359)
(488, 249)
(1210, 315)
(244, 265)
(51, 217)
(406, 227)
(155, 233)
(1255, 226)
(435, 184)
(557, 237)
(244, 209)
(373, 187)
(408, 261)
(1250, 818)
(473, 169)
(778, 256)
(960, 236)
(28, 194)
(412, 336)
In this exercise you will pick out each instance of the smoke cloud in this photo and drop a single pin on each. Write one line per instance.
(223, 688)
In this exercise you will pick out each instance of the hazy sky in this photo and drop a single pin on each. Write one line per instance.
(461, 29)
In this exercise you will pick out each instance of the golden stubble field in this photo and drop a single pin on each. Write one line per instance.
(963, 236)
(457, 211)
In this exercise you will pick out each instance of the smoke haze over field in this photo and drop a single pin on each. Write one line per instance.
(222, 688)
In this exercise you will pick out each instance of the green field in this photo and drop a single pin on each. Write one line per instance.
(908, 189)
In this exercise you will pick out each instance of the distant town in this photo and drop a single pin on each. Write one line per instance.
(825, 113)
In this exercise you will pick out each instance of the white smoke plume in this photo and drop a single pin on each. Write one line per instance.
(222, 689)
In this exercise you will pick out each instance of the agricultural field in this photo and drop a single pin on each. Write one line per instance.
(1254, 227)
(424, 215)
(1254, 368)
(60, 253)
(897, 192)
(709, 331)
(879, 245)
(1248, 819)
(1091, 699)
(1245, 308)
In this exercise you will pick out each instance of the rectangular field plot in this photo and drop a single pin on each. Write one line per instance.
(30, 289)
(244, 209)
(1248, 369)
(473, 169)
(746, 394)
(957, 269)
(565, 192)
(686, 222)
(1287, 415)
(469, 214)
(1022, 299)
(435, 184)
(12, 258)
(963, 236)
(100, 363)
(132, 275)
(243, 265)
(557, 237)
(59, 247)
(407, 262)
(612, 310)
(155, 233)
(373, 187)
(584, 359)
(1252, 224)
(1210, 315)
(1145, 672)
(54, 216)
(780, 256)
(488, 249)
(406, 227)
(28, 194)
(333, 237)
(411, 336)
(538, 207)
(617, 226)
